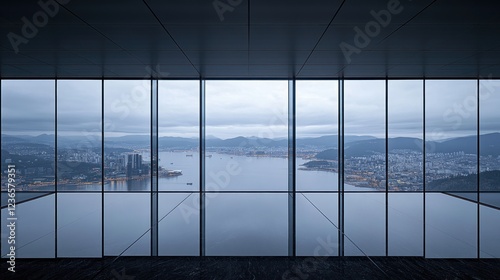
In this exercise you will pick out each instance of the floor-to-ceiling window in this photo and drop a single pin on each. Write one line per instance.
(489, 177)
(405, 173)
(28, 148)
(418, 162)
(317, 167)
(79, 168)
(179, 167)
(365, 176)
(127, 183)
(246, 168)
(451, 168)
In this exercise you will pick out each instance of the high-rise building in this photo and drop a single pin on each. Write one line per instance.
(133, 164)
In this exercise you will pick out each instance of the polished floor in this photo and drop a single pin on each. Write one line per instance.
(128, 268)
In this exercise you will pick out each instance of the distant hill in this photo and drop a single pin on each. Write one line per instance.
(490, 181)
(372, 146)
(490, 145)
(246, 142)
(328, 141)
(12, 139)
(354, 145)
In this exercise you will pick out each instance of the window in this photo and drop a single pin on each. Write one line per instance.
(420, 167)
(127, 124)
(489, 182)
(246, 135)
(451, 168)
(365, 171)
(79, 132)
(405, 167)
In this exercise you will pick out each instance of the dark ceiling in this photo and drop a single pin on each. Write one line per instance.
(255, 39)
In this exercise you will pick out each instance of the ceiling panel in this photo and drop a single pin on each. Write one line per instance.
(52, 58)
(256, 39)
(218, 57)
(278, 57)
(293, 12)
(285, 37)
(320, 71)
(390, 12)
(161, 57)
(223, 71)
(145, 36)
(460, 12)
(111, 12)
(210, 37)
(110, 57)
(200, 12)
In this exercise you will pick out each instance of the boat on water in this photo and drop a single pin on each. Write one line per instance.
(172, 173)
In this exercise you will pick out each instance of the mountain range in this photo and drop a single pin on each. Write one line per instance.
(354, 145)
(178, 142)
(489, 145)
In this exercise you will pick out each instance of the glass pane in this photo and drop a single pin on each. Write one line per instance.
(79, 222)
(127, 135)
(247, 224)
(406, 224)
(317, 135)
(28, 124)
(490, 232)
(451, 135)
(489, 178)
(127, 219)
(317, 235)
(247, 129)
(405, 114)
(451, 227)
(364, 224)
(179, 227)
(34, 228)
(179, 120)
(79, 135)
(364, 138)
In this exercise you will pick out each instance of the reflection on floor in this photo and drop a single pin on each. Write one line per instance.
(22, 197)
(137, 268)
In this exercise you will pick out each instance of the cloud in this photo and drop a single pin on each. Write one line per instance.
(248, 107)
(28, 106)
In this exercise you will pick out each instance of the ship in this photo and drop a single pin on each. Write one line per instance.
(172, 173)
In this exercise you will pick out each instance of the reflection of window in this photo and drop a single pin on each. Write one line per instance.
(247, 224)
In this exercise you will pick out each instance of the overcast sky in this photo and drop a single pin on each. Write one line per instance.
(250, 108)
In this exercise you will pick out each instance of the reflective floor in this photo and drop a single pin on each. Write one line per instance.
(256, 268)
